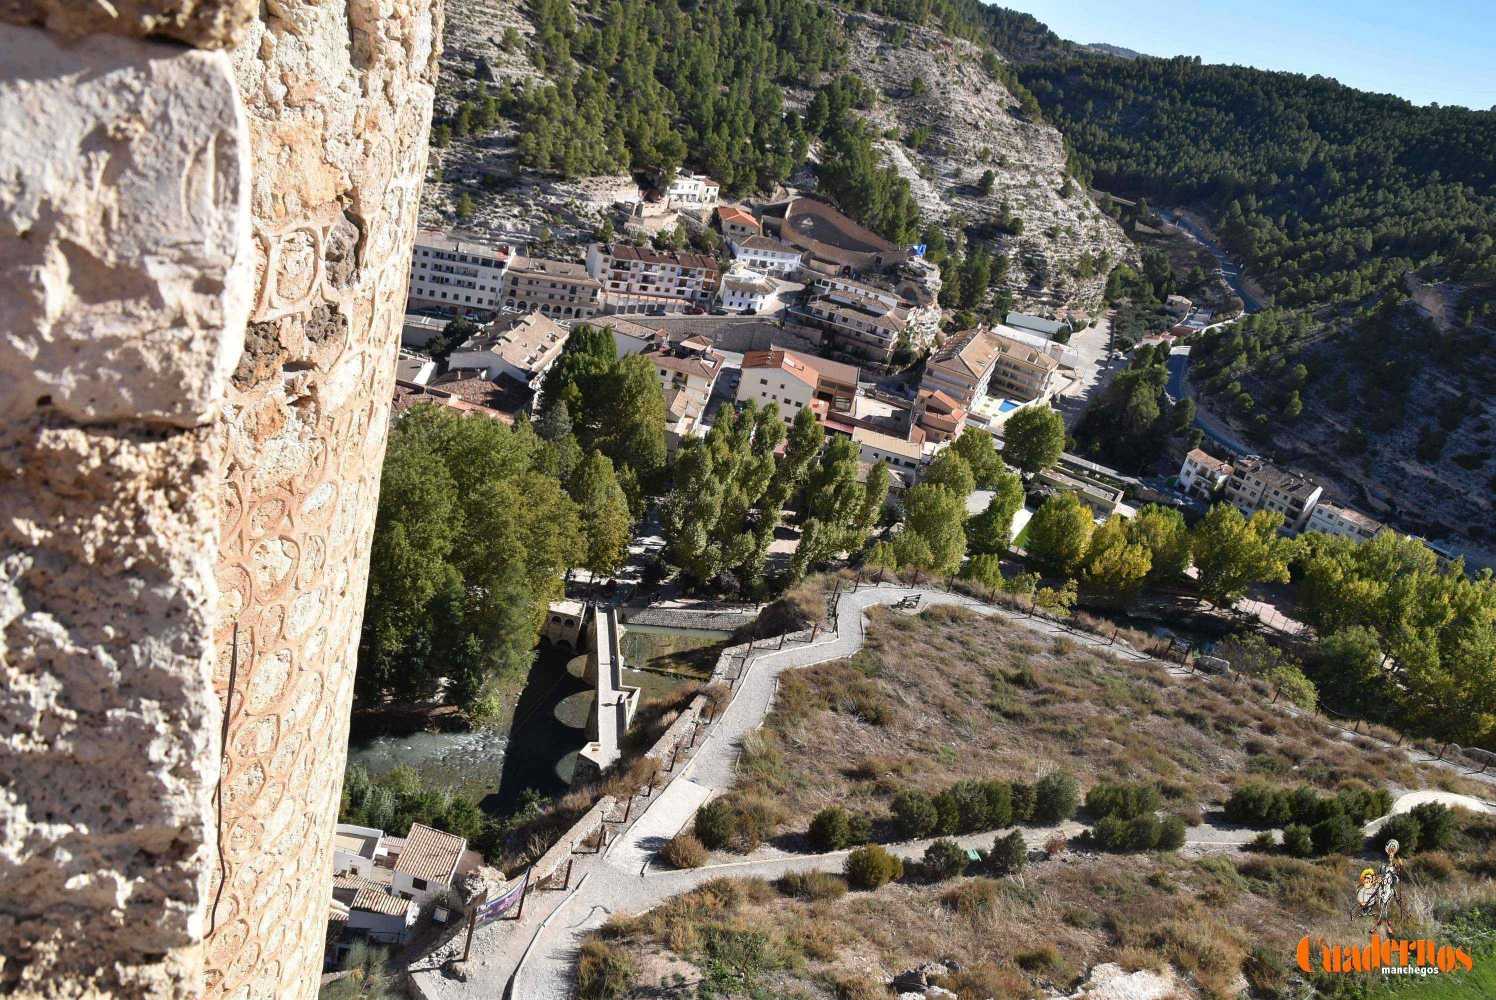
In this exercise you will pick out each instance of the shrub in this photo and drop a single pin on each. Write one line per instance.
(1436, 825)
(1038, 959)
(1171, 833)
(1336, 834)
(1297, 841)
(1405, 829)
(1433, 865)
(859, 829)
(1023, 801)
(914, 815)
(812, 885)
(831, 829)
(1008, 855)
(1055, 797)
(603, 972)
(870, 867)
(1122, 799)
(1110, 833)
(684, 850)
(947, 813)
(1363, 803)
(1142, 833)
(1264, 841)
(1256, 805)
(943, 860)
(739, 823)
(715, 824)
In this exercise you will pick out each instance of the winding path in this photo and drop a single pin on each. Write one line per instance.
(536, 956)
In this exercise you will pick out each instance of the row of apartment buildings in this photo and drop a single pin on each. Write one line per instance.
(805, 269)
(1252, 484)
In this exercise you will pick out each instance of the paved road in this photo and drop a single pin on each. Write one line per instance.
(1215, 430)
(1230, 270)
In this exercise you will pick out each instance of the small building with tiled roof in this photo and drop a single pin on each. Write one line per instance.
(938, 415)
(735, 220)
(641, 280)
(780, 378)
(428, 863)
(1202, 474)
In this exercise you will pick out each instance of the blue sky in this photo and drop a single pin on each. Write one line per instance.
(1442, 51)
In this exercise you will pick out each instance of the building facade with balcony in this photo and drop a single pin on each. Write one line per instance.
(456, 275)
(640, 280)
(555, 288)
(1255, 484)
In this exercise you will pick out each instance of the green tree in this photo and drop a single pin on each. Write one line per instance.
(1115, 566)
(950, 470)
(1033, 438)
(937, 517)
(1162, 531)
(992, 530)
(465, 206)
(1232, 552)
(984, 570)
(605, 516)
(980, 452)
(1059, 534)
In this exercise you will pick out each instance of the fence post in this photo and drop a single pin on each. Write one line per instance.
(524, 891)
(467, 946)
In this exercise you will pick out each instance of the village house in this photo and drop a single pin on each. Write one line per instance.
(780, 377)
(558, 289)
(973, 363)
(640, 280)
(1334, 519)
(629, 337)
(362, 909)
(458, 275)
(427, 865)
(751, 293)
(519, 347)
(1047, 328)
(691, 365)
(901, 455)
(1255, 484)
(691, 192)
(766, 255)
(939, 416)
(1203, 475)
(736, 222)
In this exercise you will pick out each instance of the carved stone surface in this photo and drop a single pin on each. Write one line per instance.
(339, 103)
(205, 24)
(125, 256)
(205, 258)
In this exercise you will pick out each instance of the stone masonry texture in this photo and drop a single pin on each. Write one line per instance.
(338, 98)
(207, 253)
(125, 255)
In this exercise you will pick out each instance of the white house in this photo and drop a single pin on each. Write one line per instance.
(1203, 475)
(371, 911)
(899, 454)
(746, 291)
(766, 255)
(427, 865)
(1333, 519)
(358, 849)
(779, 377)
(692, 192)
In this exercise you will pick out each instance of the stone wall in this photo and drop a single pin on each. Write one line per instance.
(207, 245)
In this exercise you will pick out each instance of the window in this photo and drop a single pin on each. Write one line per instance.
(419, 883)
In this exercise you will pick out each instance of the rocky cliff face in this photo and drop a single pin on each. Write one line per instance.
(1059, 243)
(1066, 245)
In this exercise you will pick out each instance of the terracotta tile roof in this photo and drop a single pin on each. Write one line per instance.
(625, 251)
(736, 213)
(430, 854)
(1206, 461)
(376, 901)
(783, 361)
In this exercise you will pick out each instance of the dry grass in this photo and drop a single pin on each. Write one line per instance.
(947, 695)
(944, 696)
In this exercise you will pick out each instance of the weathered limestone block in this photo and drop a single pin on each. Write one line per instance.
(339, 103)
(124, 209)
(126, 264)
(204, 24)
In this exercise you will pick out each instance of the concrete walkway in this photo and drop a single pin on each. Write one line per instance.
(536, 957)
